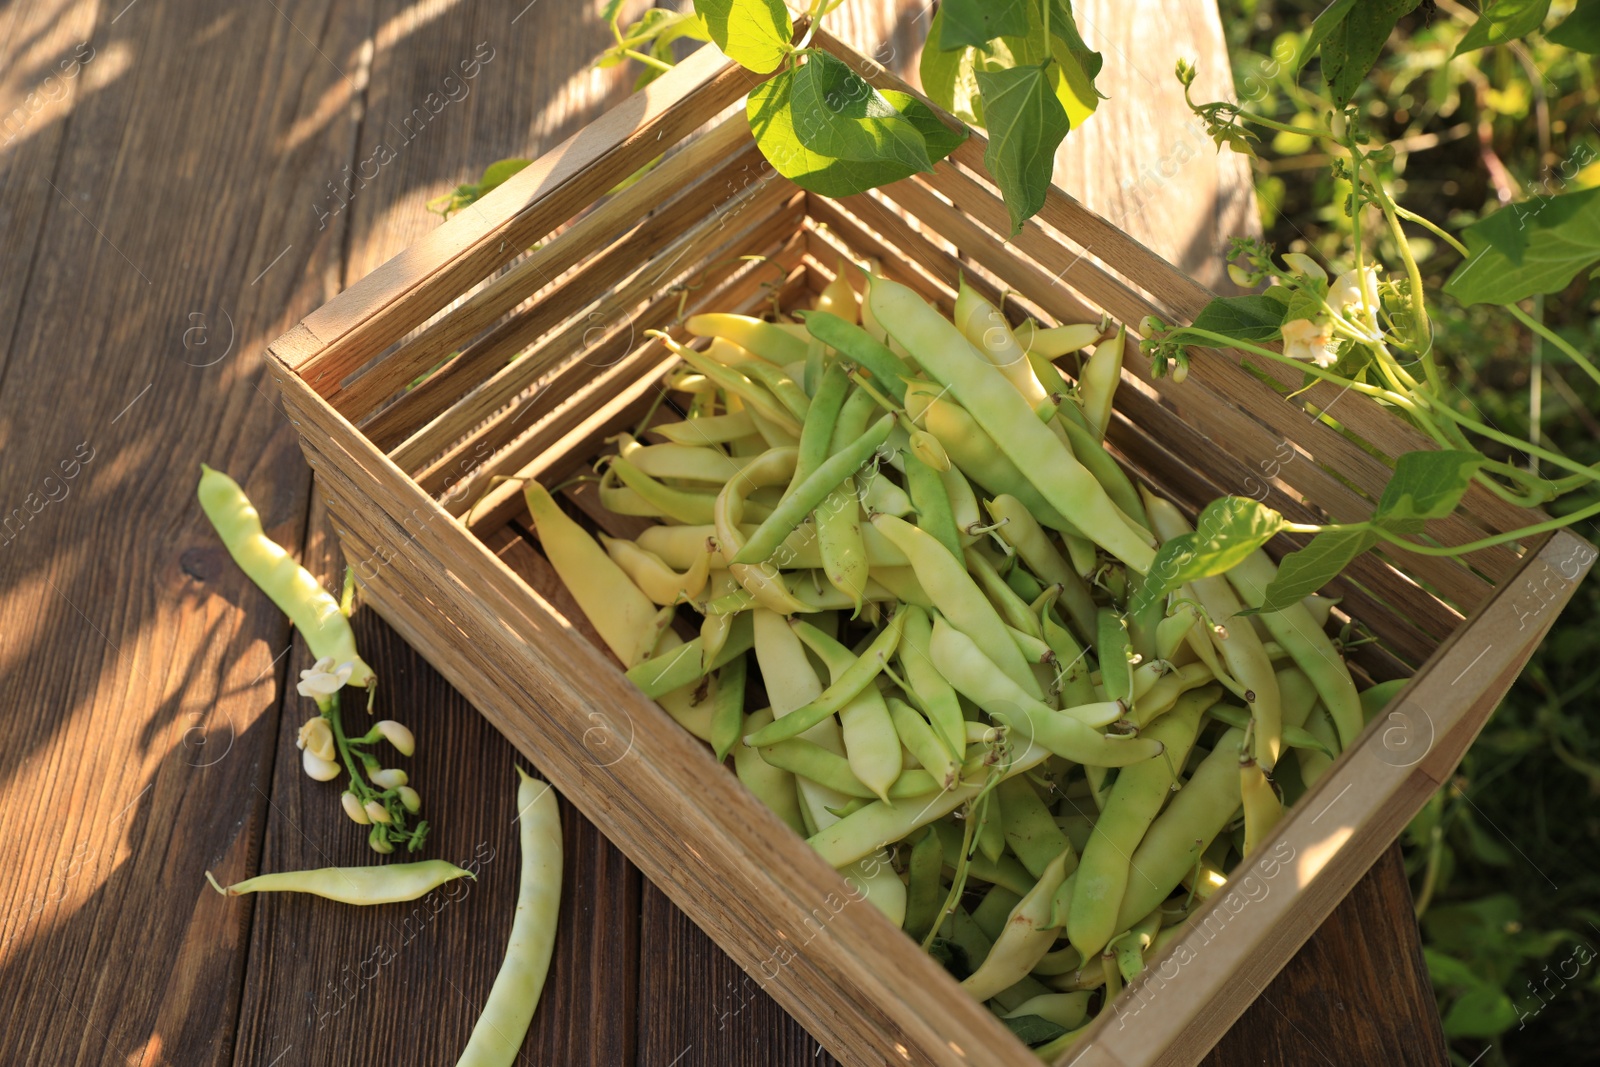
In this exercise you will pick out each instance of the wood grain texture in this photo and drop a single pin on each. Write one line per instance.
(139, 665)
(155, 715)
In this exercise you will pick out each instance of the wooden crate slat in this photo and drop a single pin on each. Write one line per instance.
(563, 297)
(646, 278)
(408, 290)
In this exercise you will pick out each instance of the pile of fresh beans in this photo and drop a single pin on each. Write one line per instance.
(909, 557)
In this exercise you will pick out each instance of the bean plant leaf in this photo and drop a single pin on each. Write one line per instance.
(1352, 46)
(1034, 1030)
(950, 78)
(1425, 485)
(1504, 21)
(772, 122)
(977, 22)
(1256, 317)
(1482, 1012)
(756, 34)
(1226, 532)
(1579, 31)
(1026, 123)
(611, 9)
(1537, 246)
(836, 113)
(494, 176)
(1072, 75)
(1332, 18)
(1304, 572)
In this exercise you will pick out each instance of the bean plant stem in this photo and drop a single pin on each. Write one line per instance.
(1555, 339)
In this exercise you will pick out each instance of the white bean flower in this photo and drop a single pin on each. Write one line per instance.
(323, 679)
(316, 737)
(1309, 340)
(1349, 288)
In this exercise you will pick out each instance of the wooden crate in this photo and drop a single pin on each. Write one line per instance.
(415, 478)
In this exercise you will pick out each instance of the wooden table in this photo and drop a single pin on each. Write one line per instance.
(174, 196)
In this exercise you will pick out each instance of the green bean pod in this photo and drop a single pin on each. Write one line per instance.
(857, 345)
(1193, 818)
(1307, 644)
(1088, 448)
(386, 884)
(988, 332)
(651, 574)
(707, 430)
(1262, 808)
(687, 462)
(922, 742)
(767, 340)
(816, 436)
(684, 664)
(838, 297)
(925, 891)
(809, 760)
(773, 786)
(849, 683)
(1030, 829)
(763, 406)
(312, 609)
(1241, 649)
(1026, 938)
(871, 745)
(805, 498)
(507, 1013)
(680, 546)
(928, 687)
(1048, 463)
(1135, 800)
(1057, 341)
(623, 616)
(932, 503)
(761, 579)
(975, 452)
(727, 709)
(680, 505)
(1098, 384)
(865, 831)
(964, 665)
(791, 682)
(958, 597)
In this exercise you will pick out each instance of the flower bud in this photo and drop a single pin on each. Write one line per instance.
(317, 767)
(389, 778)
(1149, 326)
(398, 736)
(353, 808)
(409, 798)
(1300, 263)
(1240, 277)
(376, 811)
(316, 737)
(380, 841)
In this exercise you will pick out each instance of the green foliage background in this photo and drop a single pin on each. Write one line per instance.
(1505, 862)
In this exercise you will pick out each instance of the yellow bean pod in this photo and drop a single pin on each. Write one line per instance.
(624, 617)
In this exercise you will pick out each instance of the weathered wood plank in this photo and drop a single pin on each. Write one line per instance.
(139, 665)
